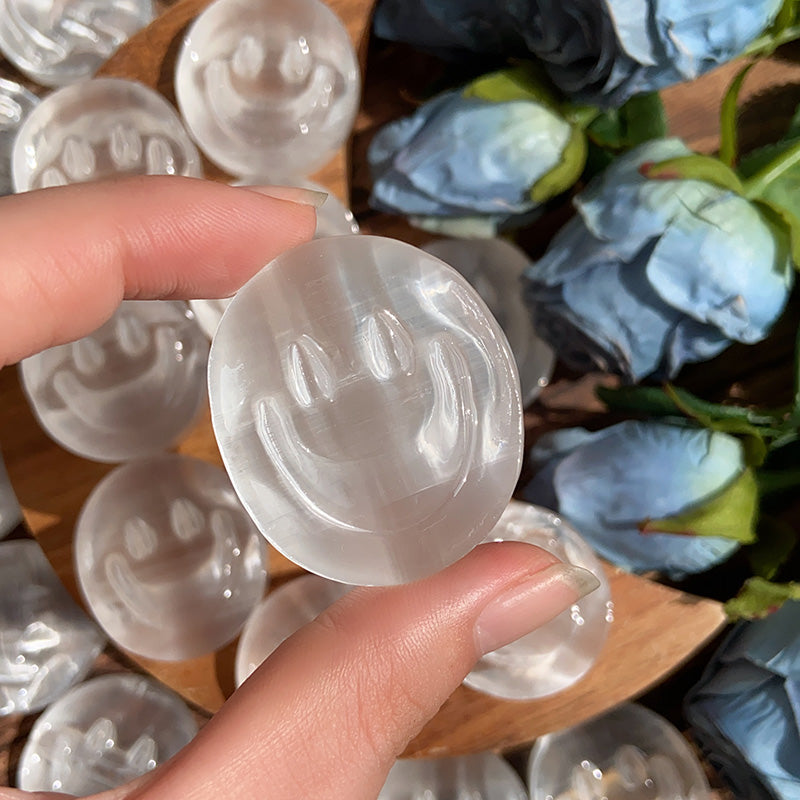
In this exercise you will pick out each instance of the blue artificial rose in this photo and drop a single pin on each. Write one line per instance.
(461, 156)
(652, 274)
(745, 711)
(609, 482)
(596, 52)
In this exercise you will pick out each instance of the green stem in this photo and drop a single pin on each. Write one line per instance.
(767, 44)
(756, 185)
(777, 480)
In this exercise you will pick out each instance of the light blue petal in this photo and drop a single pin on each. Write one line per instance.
(632, 25)
(617, 305)
(692, 341)
(647, 470)
(760, 724)
(740, 276)
(772, 643)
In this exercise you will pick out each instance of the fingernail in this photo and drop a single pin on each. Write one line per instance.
(295, 194)
(527, 605)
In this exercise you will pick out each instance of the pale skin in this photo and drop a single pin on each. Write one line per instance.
(331, 709)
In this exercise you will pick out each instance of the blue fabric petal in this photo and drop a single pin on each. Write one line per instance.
(647, 470)
(740, 275)
(462, 156)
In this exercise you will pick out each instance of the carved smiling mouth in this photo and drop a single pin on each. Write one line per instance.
(373, 486)
(157, 385)
(137, 575)
(302, 94)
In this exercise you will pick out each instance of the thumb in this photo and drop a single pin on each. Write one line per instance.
(329, 711)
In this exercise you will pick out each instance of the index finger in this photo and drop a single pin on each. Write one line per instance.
(72, 253)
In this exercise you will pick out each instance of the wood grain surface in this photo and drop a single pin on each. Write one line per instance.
(656, 628)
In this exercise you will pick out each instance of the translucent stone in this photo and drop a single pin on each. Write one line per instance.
(482, 776)
(279, 615)
(10, 512)
(561, 652)
(494, 267)
(268, 87)
(57, 42)
(167, 559)
(97, 129)
(129, 389)
(16, 102)
(46, 642)
(367, 409)
(629, 754)
(333, 219)
(102, 734)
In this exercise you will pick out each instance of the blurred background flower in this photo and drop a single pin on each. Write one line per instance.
(615, 483)
(655, 273)
(601, 53)
(477, 157)
(745, 711)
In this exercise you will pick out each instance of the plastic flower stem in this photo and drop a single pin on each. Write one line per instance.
(729, 134)
(756, 185)
(767, 44)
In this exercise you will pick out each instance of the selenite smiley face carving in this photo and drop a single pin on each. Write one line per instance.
(167, 559)
(127, 390)
(367, 408)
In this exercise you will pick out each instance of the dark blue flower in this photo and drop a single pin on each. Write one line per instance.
(597, 52)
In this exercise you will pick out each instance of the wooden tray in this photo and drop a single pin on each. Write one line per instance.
(656, 628)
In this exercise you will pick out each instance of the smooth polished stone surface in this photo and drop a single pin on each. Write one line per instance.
(105, 732)
(167, 559)
(558, 654)
(47, 643)
(483, 776)
(57, 42)
(279, 615)
(333, 219)
(367, 409)
(16, 102)
(629, 754)
(268, 87)
(129, 389)
(494, 267)
(101, 128)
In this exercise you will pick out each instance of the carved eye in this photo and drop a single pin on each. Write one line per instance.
(310, 373)
(387, 347)
(140, 538)
(186, 519)
(78, 159)
(125, 146)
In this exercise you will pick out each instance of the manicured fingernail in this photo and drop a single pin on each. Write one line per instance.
(527, 605)
(295, 194)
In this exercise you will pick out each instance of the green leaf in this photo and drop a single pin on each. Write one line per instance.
(729, 112)
(526, 82)
(776, 541)
(730, 513)
(566, 173)
(723, 419)
(640, 119)
(759, 597)
(651, 400)
(785, 28)
(695, 167)
(785, 220)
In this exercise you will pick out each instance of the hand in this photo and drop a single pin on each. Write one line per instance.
(327, 714)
